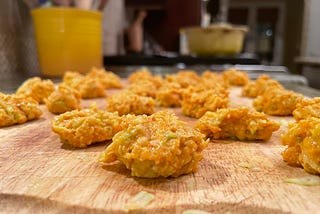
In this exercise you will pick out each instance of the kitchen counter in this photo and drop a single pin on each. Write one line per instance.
(296, 83)
(39, 174)
(171, 59)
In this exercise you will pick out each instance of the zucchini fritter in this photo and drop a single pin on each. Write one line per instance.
(159, 145)
(36, 88)
(277, 102)
(307, 108)
(235, 77)
(63, 99)
(127, 102)
(236, 123)
(263, 83)
(81, 128)
(303, 141)
(16, 109)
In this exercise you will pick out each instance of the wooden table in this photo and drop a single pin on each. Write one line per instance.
(39, 174)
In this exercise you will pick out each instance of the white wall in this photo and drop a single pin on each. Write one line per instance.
(311, 29)
(113, 25)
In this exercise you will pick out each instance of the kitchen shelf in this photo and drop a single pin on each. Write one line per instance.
(172, 59)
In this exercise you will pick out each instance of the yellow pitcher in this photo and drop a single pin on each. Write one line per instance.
(67, 39)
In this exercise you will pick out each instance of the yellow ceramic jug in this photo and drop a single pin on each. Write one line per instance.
(67, 39)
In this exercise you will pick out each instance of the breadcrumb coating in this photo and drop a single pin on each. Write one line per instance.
(127, 102)
(236, 123)
(263, 83)
(144, 88)
(17, 109)
(87, 87)
(81, 128)
(307, 108)
(198, 100)
(277, 102)
(63, 99)
(107, 78)
(213, 79)
(139, 74)
(159, 145)
(235, 77)
(169, 95)
(36, 88)
(303, 144)
(184, 78)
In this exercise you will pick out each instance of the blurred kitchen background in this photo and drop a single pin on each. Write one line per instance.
(283, 36)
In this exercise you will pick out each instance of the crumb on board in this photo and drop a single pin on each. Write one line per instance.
(139, 201)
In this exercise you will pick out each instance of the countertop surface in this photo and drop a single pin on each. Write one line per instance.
(39, 174)
(297, 83)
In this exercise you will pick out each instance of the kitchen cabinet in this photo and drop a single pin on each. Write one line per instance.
(266, 22)
(275, 28)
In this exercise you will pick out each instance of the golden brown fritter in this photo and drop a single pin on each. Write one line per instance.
(307, 108)
(144, 88)
(36, 88)
(107, 78)
(16, 109)
(127, 102)
(169, 95)
(198, 100)
(184, 78)
(63, 99)
(91, 88)
(88, 87)
(159, 145)
(277, 102)
(72, 79)
(139, 74)
(263, 83)
(213, 79)
(145, 75)
(303, 141)
(236, 123)
(235, 77)
(81, 128)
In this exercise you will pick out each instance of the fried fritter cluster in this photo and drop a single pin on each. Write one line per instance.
(307, 108)
(184, 78)
(236, 123)
(212, 79)
(277, 102)
(236, 77)
(63, 99)
(263, 83)
(87, 87)
(303, 144)
(144, 88)
(169, 95)
(127, 102)
(36, 88)
(145, 75)
(143, 83)
(81, 128)
(107, 78)
(159, 145)
(198, 100)
(17, 109)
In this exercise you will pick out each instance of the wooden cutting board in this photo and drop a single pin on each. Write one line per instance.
(39, 174)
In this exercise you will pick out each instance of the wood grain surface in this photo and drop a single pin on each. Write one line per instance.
(38, 174)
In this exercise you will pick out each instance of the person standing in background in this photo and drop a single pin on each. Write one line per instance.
(135, 34)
